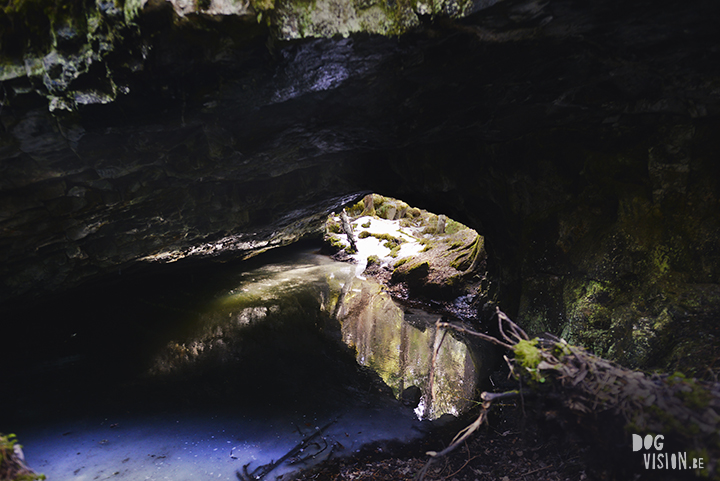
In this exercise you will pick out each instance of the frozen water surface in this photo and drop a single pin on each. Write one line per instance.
(192, 446)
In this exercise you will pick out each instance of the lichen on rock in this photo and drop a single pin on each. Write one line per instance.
(51, 46)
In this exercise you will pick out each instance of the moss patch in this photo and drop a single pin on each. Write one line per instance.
(12, 466)
(528, 355)
(373, 260)
(401, 262)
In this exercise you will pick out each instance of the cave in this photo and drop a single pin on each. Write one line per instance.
(153, 148)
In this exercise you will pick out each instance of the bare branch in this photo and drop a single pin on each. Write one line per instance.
(459, 439)
(493, 396)
(516, 330)
(482, 336)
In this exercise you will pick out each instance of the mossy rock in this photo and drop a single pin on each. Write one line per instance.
(446, 266)
(413, 212)
(412, 273)
(334, 227)
(356, 209)
(373, 261)
(386, 211)
(332, 244)
(469, 255)
(400, 262)
(453, 227)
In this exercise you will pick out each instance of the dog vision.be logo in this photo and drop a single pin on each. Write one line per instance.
(655, 458)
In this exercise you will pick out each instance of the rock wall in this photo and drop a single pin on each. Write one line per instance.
(579, 140)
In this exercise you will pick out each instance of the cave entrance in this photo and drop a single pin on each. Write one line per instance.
(412, 267)
(197, 369)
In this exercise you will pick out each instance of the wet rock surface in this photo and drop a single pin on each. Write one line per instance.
(579, 140)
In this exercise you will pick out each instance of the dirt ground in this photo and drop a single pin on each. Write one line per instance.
(510, 447)
(519, 443)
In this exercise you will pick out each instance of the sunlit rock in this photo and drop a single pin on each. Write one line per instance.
(399, 344)
(415, 252)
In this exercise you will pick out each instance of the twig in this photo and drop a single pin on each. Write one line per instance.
(516, 330)
(492, 396)
(261, 471)
(465, 464)
(459, 439)
(537, 470)
(485, 337)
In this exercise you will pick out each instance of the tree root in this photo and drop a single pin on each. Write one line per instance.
(261, 471)
(672, 405)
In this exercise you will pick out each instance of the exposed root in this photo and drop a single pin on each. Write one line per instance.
(678, 407)
(291, 456)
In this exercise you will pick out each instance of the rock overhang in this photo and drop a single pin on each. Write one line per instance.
(562, 133)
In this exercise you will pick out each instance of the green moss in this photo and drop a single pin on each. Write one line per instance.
(378, 200)
(690, 392)
(587, 303)
(373, 260)
(366, 225)
(676, 377)
(455, 264)
(671, 423)
(262, 5)
(400, 262)
(386, 237)
(561, 350)
(37, 22)
(131, 9)
(335, 242)
(453, 227)
(333, 227)
(395, 251)
(390, 241)
(455, 280)
(384, 211)
(705, 456)
(417, 270)
(527, 354)
(661, 259)
(391, 245)
(9, 461)
(469, 254)
(356, 209)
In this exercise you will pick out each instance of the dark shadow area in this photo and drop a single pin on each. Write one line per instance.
(89, 350)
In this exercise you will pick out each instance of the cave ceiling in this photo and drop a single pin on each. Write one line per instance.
(579, 138)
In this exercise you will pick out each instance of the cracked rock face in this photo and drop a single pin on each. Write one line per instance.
(579, 140)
